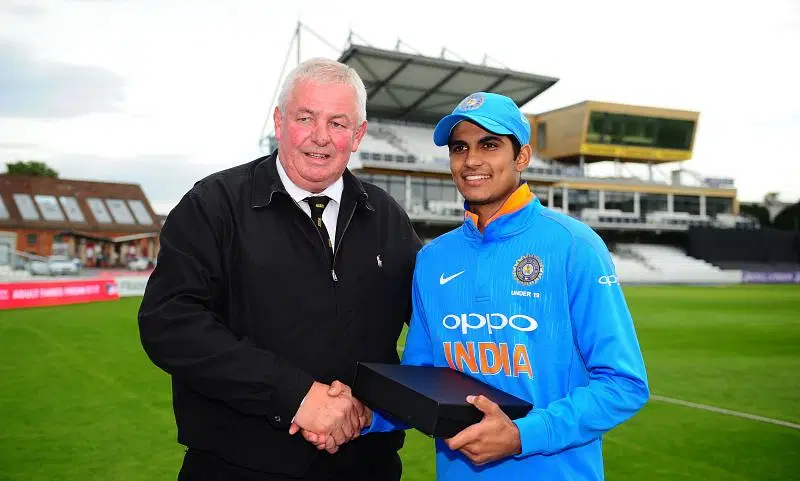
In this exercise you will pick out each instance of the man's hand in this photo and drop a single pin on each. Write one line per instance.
(495, 437)
(321, 413)
(354, 420)
(363, 414)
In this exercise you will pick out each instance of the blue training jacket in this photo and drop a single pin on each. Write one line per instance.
(533, 307)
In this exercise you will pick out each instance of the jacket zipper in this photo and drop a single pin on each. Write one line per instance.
(336, 250)
(312, 225)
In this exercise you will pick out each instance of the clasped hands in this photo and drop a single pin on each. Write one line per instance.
(330, 416)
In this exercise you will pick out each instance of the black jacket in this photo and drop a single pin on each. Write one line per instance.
(244, 312)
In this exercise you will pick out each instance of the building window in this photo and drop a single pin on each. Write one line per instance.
(140, 212)
(433, 190)
(558, 197)
(120, 211)
(26, 207)
(3, 210)
(686, 203)
(650, 203)
(449, 191)
(582, 199)
(542, 193)
(99, 210)
(397, 188)
(639, 131)
(71, 207)
(417, 190)
(541, 136)
(48, 206)
(719, 205)
(381, 181)
(620, 201)
(32, 239)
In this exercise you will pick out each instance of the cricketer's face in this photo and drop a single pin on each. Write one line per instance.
(483, 165)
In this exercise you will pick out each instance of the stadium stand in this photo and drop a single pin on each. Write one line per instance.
(412, 139)
(644, 209)
(668, 264)
(633, 270)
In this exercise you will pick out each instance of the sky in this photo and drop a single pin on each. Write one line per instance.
(164, 92)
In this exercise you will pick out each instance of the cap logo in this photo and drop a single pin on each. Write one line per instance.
(471, 103)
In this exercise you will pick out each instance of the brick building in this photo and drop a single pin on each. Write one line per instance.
(100, 223)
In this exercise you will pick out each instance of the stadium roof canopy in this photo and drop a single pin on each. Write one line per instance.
(415, 88)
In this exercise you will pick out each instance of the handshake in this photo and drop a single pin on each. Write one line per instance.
(330, 416)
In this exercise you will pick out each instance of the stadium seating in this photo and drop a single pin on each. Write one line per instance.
(731, 221)
(410, 143)
(614, 216)
(667, 264)
(378, 149)
(678, 218)
(445, 207)
(410, 139)
(632, 270)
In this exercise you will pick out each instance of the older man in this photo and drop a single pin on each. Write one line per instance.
(274, 278)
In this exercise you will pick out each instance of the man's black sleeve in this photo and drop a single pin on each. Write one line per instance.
(182, 334)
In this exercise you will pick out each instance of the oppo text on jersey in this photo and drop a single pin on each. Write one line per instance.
(492, 322)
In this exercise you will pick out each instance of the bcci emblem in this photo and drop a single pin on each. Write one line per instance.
(471, 103)
(528, 270)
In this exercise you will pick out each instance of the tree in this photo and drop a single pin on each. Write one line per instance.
(773, 204)
(756, 211)
(789, 218)
(30, 167)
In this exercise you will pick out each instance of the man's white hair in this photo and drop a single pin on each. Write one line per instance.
(324, 70)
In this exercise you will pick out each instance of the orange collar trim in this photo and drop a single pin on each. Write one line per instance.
(519, 199)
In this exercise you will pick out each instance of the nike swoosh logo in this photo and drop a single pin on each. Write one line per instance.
(444, 280)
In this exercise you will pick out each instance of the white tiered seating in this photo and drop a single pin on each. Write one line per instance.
(417, 140)
(372, 144)
(672, 265)
(630, 270)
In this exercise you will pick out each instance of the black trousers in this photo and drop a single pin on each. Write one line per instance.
(202, 466)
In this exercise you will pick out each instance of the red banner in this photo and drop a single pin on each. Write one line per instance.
(56, 293)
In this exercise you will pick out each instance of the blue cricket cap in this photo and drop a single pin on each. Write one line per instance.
(493, 112)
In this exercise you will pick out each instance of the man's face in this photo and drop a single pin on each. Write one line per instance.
(317, 132)
(483, 165)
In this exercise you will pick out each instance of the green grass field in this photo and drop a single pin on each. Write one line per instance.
(79, 400)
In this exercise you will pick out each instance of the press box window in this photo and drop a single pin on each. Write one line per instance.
(541, 136)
